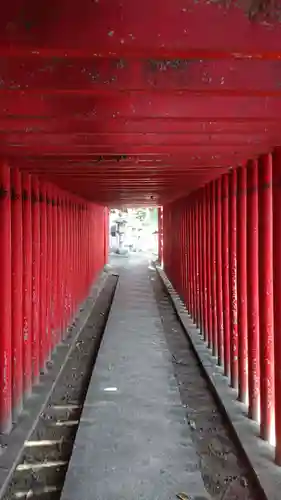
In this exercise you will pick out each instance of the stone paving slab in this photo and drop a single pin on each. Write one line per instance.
(133, 441)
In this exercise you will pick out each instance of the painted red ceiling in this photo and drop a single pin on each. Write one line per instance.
(138, 102)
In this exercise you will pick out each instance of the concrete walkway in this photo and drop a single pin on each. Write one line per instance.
(133, 441)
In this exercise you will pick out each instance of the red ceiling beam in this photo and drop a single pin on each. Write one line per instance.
(106, 76)
(171, 140)
(196, 148)
(142, 160)
(141, 106)
(120, 126)
(140, 173)
(146, 28)
(133, 177)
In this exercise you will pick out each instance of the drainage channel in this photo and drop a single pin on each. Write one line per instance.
(225, 473)
(41, 471)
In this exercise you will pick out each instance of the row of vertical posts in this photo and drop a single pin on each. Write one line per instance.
(222, 252)
(52, 246)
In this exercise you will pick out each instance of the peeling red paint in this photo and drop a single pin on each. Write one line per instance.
(233, 279)
(253, 290)
(5, 301)
(266, 296)
(276, 178)
(242, 283)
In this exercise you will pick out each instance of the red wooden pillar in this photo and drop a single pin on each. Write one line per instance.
(73, 296)
(192, 262)
(27, 284)
(179, 255)
(169, 225)
(93, 239)
(219, 271)
(195, 256)
(64, 263)
(78, 248)
(160, 235)
(67, 268)
(201, 259)
(101, 258)
(178, 262)
(88, 247)
(164, 237)
(172, 248)
(242, 283)
(106, 236)
(5, 301)
(49, 301)
(43, 276)
(192, 248)
(16, 298)
(168, 241)
(54, 283)
(213, 264)
(67, 262)
(84, 253)
(253, 291)
(225, 274)
(205, 264)
(277, 294)
(36, 302)
(75, 304)
(266, 297)
(59, 303)
(233, 279)
(164, 223)
(209, 267)
(72, 288)
(188, 263)
(101, 225)
(82, 248)
(77, 242)
(185, 251)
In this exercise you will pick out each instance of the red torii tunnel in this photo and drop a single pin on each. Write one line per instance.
(176, 105)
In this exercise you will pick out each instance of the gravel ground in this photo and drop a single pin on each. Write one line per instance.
(41, 471)
(224, 471)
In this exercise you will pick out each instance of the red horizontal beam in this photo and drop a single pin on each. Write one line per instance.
(105, 76)
(141, 106)
(115, 184)
(148, 28)
(195, 149)
(120, 126)
(131, 139)
(176, 169)
(89, 183)
(143, 160)
(140, 173)
(131, 179)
